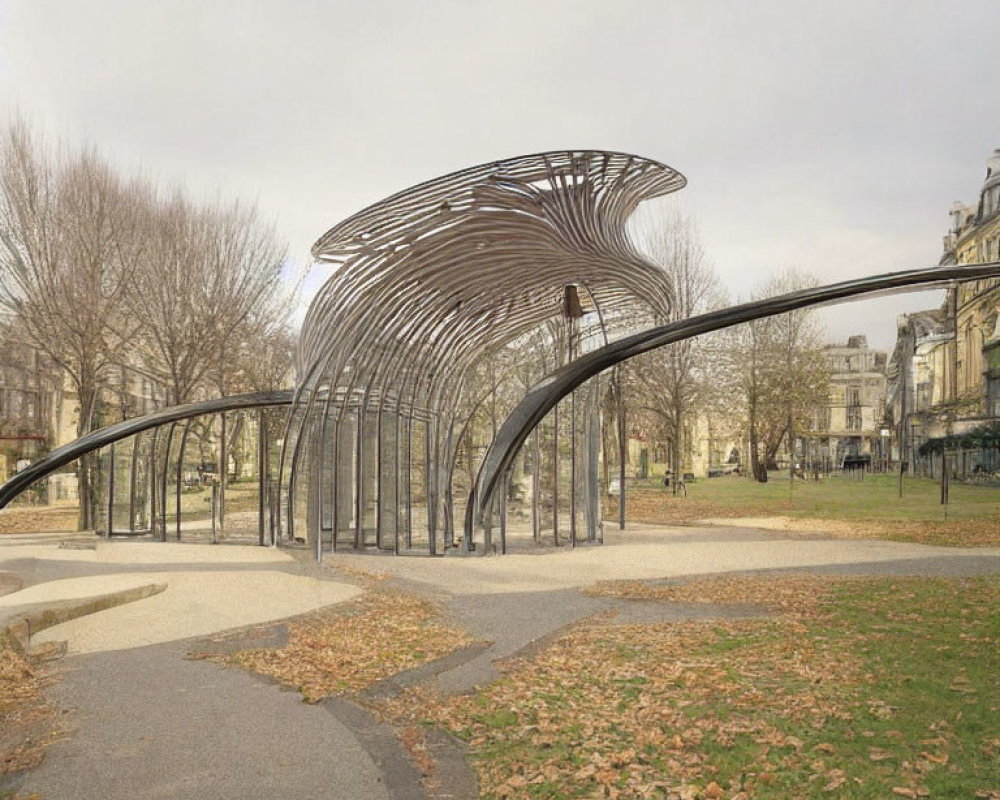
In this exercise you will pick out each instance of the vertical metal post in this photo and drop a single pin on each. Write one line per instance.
(378, 480)
(215, 508)
(592, 427)
(272, 508)
(449, 501)
(223, 470)
(430, 490)
(152, 481)
(261, 473)
(359, 452)
(290, 511)
(133, 466)
(111, 489)
(902, 420)
(622, 452)
(314, 524)
(944, 477)
(335, 487)
(399, 455)
(504, 487)
(536, 485)
(572, 470)
(555, 475)
(180, 478)
(316, 486)
(791, 458)
(166, 470)
(409, 481)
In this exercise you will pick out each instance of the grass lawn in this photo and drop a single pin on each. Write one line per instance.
(869, 507)
(862, 688)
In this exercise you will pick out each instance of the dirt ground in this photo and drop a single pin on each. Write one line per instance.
(38, 519)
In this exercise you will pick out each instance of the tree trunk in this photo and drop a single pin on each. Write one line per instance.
(759, 468)
(87, 465)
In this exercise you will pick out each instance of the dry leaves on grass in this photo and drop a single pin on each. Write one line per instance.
(733, 709)
(977, 532)
(26, 722)
(44, 519)
(356, 644)
(801, 595)
(659, 508)
(641, 704)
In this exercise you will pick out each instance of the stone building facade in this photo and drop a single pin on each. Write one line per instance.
(849, 425)
(31, 403)
(975, 237)
(944, 375)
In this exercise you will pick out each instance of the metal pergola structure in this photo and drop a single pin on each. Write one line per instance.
(429, 286)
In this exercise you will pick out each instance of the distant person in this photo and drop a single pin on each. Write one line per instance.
(681, 485)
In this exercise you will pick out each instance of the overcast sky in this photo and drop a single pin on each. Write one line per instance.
(831, 137)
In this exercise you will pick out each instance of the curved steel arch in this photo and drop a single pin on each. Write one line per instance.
(544, 396)
(129, 427)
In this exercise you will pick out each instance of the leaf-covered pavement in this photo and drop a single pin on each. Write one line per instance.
(356, 644)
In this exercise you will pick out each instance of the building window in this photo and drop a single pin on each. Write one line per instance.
(854, 418)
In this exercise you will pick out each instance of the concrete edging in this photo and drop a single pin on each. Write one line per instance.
(24, 624)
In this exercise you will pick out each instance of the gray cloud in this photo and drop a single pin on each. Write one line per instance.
(832, 137)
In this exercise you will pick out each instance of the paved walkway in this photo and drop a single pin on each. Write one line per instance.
(518, 599)
(145, 721)
(148, 723)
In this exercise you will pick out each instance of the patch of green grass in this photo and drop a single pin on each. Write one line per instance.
(846, 505)
(926, 716)
(887, 688)
(842, 497)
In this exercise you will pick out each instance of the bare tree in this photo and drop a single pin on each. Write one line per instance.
(672, 381)
(70, 246)
(208, 273)
(778, 370)
(263, 361)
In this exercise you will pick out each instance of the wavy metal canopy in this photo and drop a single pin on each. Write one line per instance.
(449, 268)
(433, 278)
(431, 290)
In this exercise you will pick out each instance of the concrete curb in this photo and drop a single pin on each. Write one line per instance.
(24, 623)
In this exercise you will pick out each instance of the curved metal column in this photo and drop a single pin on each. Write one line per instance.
(549, 391)
(122, 430)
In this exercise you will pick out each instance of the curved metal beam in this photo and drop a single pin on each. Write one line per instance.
(544, 396)
(129, 427)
